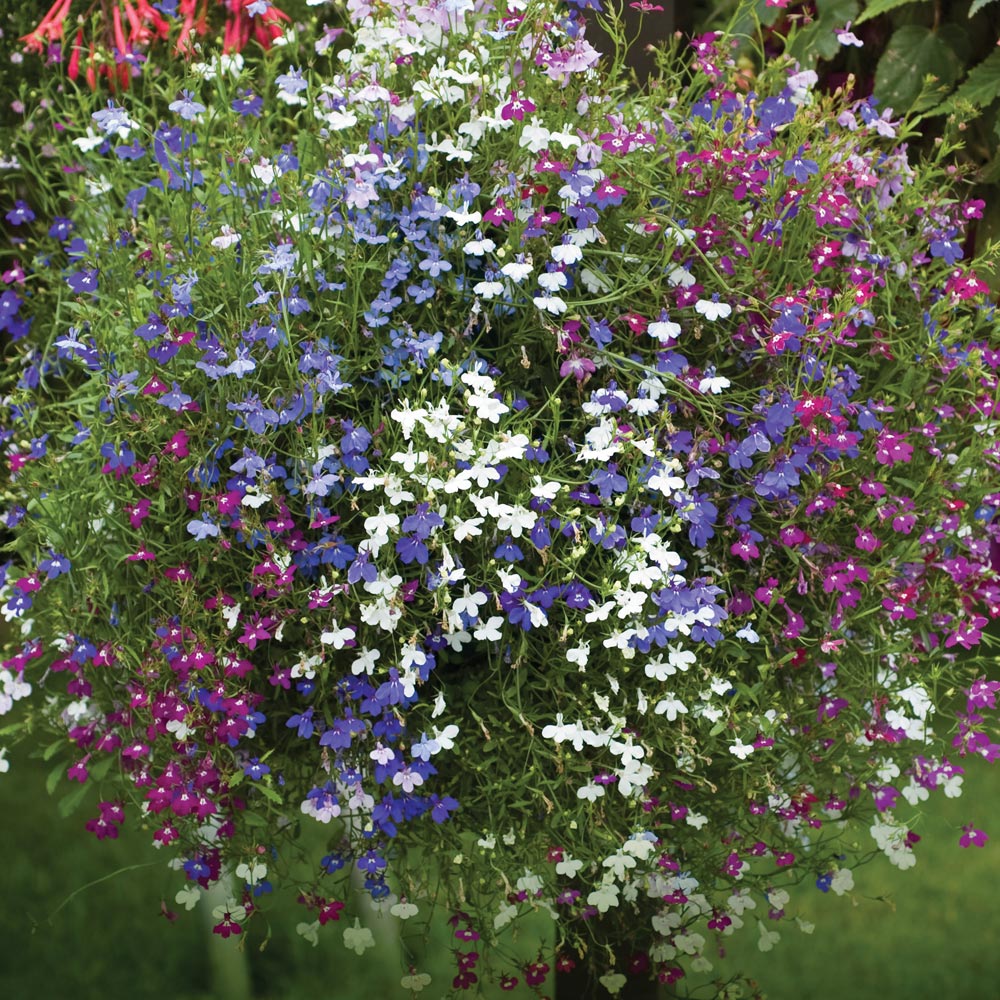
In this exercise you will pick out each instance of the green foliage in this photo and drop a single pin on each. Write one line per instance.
(936, 61)
(979, 89)
(883, 7)
(916, 60)
(818, 37)
(978, 5)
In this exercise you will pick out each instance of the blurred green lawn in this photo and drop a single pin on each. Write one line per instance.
(930, 933)
(80, 920)
(933, 935)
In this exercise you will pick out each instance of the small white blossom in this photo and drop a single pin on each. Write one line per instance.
(712, 309)
(358, 939)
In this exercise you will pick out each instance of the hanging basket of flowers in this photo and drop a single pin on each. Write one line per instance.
(575, 500)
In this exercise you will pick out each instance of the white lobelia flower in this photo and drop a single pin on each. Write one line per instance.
(619, 864)
(535, 138)
(565, 138)
(381, 523)
(188, 897)
(604, 898)
(464, 530)
(480, 246)
(415, 981)
(671, 707)
(613, 982)
(516, 270)
(445, 738)
(230, 615)
(741, 901)
(664, 330)
(358, 939)
(566, 253)
(552, 281)
(310, 931)
(336, 636)
(681, 658)
(464, 217)
(364, 662)
(681, 276)
(254, 873)
(569, 867)
(89, 141)
(712, 309)
(407, 418)
(470, 602)
(488, 408)
(410, 460)
(658, 670)
(713, 383)
(690, 944)
(227, 238)
(504, 917)
(842, 881)
(558, 730)
(488, 289)
(545, 490)
(230, 910)
(767, 939)
(915, 793)
(550, 304)
(633, 778)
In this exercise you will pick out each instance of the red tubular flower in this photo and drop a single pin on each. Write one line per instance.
(91, 74)
(230, 42)
(49, 29)
(189, 12)
(269, 27)
(150, 15)
(137, 24)
(136, 28)
(74, 60)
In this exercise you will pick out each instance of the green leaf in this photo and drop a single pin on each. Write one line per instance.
(913, 53)
(958, 39)
(68, 804)
(980, 88)
(269, 793)
(877, 7)
(55, 776)
(977, 6)
(990, 173)
(100, 768)
(52, 749)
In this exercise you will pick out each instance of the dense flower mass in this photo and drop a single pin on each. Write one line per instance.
(437, 442)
